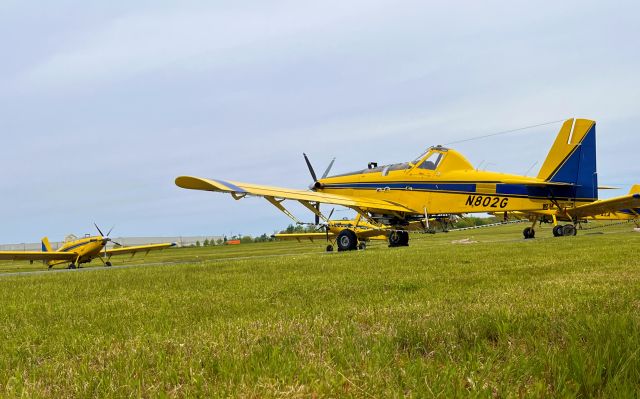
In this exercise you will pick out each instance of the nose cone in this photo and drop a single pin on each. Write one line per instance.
(105, 241)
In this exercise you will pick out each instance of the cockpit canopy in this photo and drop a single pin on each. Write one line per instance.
(430, 159)
(433, 158)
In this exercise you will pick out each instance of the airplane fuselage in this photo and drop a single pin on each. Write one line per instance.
(463, 190)
(86, 249)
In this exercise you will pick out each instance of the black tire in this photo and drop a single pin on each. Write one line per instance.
(347, 240)
(329, 248)
(557, 231)
(569, 230)
(528, 233)
(108, 264)
(395, 238)
(405, 238)
(362, 246)
(72, 266)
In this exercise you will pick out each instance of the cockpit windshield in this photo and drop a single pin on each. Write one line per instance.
(432, 161)
(415, 161)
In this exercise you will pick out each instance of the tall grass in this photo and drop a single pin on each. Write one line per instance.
(502, 317)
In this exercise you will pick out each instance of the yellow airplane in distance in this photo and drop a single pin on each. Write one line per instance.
(363, 231)
(75, 252)
(441, 181)
(600, 211)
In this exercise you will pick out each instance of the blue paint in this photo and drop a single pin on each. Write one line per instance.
(579, 168)
(75, 246)
(231, 186)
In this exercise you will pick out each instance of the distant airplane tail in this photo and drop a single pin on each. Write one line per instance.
(46, 246)
(635, 189)
(572, 159)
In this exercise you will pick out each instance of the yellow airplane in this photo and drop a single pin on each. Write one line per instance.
(442, 181)
(75, 252)
(363, 231)
(599, 210)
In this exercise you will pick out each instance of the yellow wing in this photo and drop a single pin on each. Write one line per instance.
(138, 248)
(302, 236)
(37, 255)
(238, 190)
(625, 204)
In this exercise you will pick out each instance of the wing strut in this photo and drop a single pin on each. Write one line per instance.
(284, 210)
(313, 209)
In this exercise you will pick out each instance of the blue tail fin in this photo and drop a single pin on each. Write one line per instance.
(46, 246)
(572, 159)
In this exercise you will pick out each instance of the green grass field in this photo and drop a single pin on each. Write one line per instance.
(500, 317)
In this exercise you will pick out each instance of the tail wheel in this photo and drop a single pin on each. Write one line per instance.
(362, 246)
(528, 233)
(557, 231)
(347, 240)
(329, 248)
(569, 230)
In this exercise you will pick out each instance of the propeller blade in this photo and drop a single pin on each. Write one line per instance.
(117, 243)
(326, 172)
(99, 231)
(109, 232)
(313, 173)
(331, 213)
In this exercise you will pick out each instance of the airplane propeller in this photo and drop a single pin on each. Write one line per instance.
(106, 239)
(315, 181)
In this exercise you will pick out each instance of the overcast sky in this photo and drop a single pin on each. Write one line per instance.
(103, 104)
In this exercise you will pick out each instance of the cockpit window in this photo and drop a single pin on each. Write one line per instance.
(431, 162)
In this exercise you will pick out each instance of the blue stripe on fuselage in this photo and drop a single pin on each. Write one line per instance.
(520, 190)
(461, 187)
(76, 246)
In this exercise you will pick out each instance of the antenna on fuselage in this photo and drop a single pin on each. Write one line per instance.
(530, 167)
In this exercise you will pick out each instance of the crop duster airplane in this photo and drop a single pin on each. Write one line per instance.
(364, 231)
(79, 251)
(625, 213)
(441, 181)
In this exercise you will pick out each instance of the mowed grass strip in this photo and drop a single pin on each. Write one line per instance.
(502, 317)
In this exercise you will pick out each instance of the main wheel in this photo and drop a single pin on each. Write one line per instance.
(557, 231)
(107, 264)
(405, 238)
(569, 230)
(395, 238)
(347, 240)
(72, 266)
(329, 248)
(528, 232)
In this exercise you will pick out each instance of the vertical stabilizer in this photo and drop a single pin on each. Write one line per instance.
(635, 189)
(46, 246)
(572, 159)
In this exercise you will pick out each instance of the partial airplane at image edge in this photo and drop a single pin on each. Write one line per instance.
(78, 251)
(627, 211)
(442, 181)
